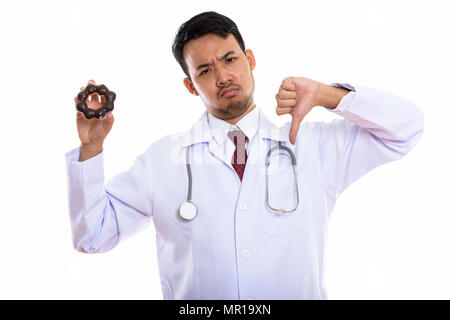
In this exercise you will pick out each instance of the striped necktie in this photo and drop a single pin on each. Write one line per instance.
(240, 154)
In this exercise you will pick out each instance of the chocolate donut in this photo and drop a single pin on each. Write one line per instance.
(101, 89)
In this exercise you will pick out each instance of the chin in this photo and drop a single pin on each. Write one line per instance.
(232, 109)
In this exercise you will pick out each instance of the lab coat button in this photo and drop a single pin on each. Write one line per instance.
(245, 253)
(242, 205)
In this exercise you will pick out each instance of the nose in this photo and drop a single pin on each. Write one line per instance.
(223, 77)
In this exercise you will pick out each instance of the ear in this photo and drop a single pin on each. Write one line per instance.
(251, 59)
(190, 86)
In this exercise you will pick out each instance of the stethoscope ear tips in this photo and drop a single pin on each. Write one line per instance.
(187, 211)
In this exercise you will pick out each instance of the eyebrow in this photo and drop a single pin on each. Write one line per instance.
(208, 64)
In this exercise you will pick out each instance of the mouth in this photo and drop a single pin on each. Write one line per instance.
(229, 93)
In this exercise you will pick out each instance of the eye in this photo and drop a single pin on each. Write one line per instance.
(231, 59)
(204, 72)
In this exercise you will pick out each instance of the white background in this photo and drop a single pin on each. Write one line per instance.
(389, 233)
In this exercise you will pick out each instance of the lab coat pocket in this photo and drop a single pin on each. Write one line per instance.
(282, 212)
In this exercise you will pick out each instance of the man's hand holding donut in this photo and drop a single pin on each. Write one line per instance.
(92, 132)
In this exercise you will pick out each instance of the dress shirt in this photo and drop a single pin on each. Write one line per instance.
(219, 129)
(236, 247)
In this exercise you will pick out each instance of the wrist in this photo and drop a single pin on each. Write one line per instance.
(89, 151)
(329, 96)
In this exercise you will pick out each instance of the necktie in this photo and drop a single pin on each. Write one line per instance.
(240, 154)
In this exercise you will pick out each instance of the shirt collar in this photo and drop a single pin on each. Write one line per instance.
(248, 125)
(201, 129)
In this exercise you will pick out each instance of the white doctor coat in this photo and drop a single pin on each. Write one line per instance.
(237, 248)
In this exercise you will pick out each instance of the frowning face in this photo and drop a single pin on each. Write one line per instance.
(221, 74)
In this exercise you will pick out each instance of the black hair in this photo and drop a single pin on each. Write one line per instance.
(200, 25)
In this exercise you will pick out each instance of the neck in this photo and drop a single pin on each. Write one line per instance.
(235, 120)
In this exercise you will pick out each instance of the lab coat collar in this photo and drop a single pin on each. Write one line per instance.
(200, 131)
(268, 130)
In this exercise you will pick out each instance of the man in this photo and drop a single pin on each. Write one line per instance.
(258, 230)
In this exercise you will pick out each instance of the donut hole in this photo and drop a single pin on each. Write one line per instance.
(93, 97)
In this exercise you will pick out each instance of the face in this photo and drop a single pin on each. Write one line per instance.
(221, 74)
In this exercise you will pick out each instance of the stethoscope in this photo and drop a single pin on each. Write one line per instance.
(188, 210)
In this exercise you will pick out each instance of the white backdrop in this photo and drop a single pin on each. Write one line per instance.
(388, 236)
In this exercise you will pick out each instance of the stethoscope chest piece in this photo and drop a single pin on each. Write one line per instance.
(187, 211)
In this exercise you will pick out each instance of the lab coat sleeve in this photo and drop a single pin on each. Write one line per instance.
(377, 128)
(102, 214)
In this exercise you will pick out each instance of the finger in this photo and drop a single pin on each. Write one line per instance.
(109, 116)
(295, 125)
(94, 97)
(80, 115)
(89, 82)
(108, 121)
(285, 94)
(286, 103)
(288, 84)
(281, 111)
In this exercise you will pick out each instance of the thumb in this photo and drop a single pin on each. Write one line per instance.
(79, 115)
(295, 125)
(108, 121)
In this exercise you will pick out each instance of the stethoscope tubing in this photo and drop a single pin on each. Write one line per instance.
(294, 168)
(188, 210)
